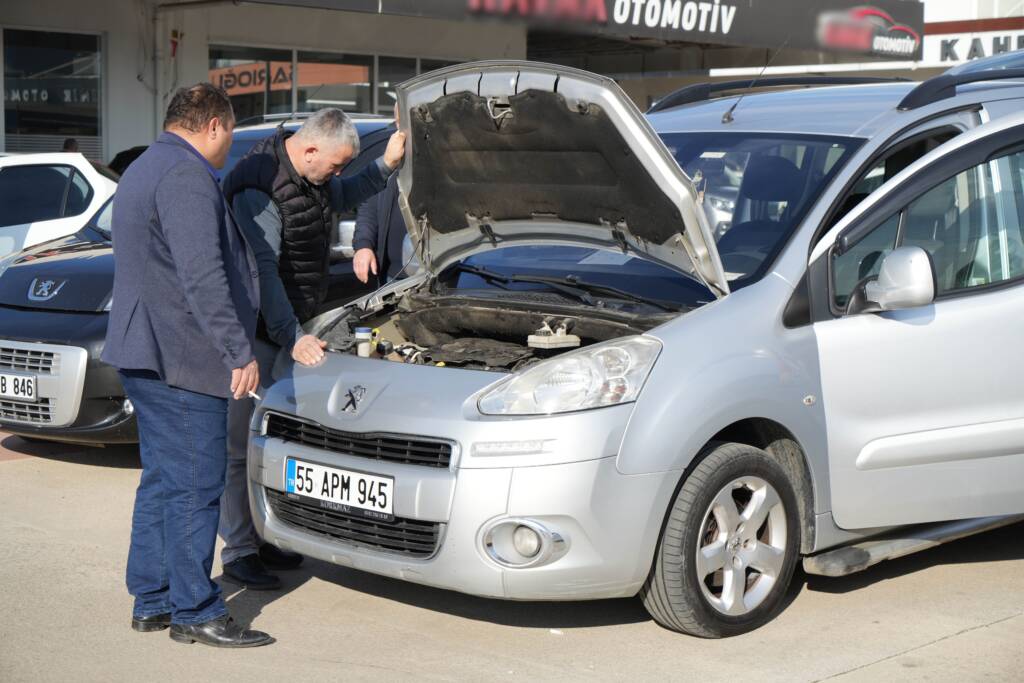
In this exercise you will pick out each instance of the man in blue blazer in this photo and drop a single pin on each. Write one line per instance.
(185, 302)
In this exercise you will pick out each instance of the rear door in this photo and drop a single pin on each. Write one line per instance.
(925, 406)
(46, 196)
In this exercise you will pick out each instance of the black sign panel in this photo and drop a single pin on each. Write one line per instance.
(881, 28)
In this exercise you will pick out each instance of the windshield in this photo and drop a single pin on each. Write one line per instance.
(756, 189)
(101, 221)
(580, 267)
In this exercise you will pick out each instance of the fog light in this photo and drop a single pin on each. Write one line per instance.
(518, 543)
(526, 541)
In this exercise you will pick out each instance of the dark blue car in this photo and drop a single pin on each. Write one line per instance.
(54, 299)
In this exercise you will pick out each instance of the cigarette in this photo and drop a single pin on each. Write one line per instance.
(253, 394)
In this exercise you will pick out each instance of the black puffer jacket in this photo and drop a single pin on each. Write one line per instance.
(305, 220)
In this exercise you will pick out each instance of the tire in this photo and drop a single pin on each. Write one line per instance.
(714, 605)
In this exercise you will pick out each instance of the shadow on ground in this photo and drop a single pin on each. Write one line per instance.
(122, 456)
(992, 546)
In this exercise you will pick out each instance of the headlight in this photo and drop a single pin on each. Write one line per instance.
(600, 375)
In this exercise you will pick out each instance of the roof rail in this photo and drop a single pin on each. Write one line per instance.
(944, 85)
(698, 92)
(299, 115)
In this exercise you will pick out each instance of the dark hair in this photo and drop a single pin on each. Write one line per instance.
(69, 145)
(193, 107)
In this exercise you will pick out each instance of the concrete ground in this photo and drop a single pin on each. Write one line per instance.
(955, 613)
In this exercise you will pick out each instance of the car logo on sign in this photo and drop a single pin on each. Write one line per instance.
(355, 395)
(44, 289)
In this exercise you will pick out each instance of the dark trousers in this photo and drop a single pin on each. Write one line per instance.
(182, 441)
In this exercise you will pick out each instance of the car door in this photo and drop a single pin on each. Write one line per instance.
(924, 406)
(46, 196)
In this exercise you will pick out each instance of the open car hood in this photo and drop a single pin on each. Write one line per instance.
(508, 152)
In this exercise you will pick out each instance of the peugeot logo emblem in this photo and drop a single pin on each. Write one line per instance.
(355, 395)
(44, 290)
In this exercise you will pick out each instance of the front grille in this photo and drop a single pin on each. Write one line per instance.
(391, 447)
(410, 537)
(33, 413)
(40, 362)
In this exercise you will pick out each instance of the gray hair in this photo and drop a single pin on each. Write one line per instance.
(330, 125)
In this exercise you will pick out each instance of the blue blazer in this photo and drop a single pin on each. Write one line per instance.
(381, 227)
(186, 285)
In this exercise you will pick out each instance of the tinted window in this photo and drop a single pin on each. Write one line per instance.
(756, 188)
(32, 193)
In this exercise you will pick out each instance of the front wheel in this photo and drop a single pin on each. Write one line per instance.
(729, 546)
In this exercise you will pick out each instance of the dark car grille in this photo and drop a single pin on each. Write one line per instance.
(38, 413)
(42, 362)
(392, 447)
(410, 537)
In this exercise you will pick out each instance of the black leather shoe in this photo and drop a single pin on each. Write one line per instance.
(156, 622)
(250, 573)
(220, 632)
(275, 558)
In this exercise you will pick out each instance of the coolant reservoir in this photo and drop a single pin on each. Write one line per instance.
(558, 338)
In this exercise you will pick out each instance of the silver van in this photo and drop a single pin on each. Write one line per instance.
(671, 355)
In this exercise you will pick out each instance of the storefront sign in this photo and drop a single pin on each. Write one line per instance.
(954, 48)
(258, 77)
(882, 28)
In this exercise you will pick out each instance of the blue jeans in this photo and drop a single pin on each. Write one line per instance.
(182, 441)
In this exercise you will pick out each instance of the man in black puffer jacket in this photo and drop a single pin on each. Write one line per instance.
(283, 193)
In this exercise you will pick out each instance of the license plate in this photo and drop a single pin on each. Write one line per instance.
(343, 490)
(18, 387)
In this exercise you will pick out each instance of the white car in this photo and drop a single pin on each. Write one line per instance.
(46, 196)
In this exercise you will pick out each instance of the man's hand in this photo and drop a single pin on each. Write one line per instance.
(309, 350)
(244, 380)
(395, 151)
(364, 262)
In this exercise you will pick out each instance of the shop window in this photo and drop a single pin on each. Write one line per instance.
(393, 70)
(258, 81)
(335, 80)
(52, 91)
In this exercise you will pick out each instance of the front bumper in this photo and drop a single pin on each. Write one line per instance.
(609, 522)
(81, 399)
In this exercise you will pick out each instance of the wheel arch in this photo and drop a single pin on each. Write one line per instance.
(782, 445)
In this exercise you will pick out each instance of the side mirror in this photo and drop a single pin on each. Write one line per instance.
(906, 280)
(341, 242)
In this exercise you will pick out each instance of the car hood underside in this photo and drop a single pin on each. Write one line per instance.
(516, 152)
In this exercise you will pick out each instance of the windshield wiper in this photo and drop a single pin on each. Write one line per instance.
(571, 285)
(575, 282)
(503, 281)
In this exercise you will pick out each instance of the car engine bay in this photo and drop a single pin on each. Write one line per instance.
(502, 332)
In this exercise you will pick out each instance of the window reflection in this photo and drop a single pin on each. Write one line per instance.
(51, 91)
(258, 81)
(393, 70)
(335, 80)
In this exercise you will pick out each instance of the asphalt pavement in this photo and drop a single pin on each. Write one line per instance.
(955, 613)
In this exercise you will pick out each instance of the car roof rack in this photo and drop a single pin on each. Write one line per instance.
(699, 92)
(944, 85)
